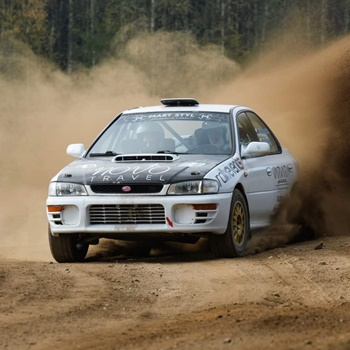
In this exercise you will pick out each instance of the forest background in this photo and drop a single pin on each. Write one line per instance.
(79, 34)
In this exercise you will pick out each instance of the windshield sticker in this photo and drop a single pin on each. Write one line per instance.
(122, 173)
(214, 117)
(229, 171)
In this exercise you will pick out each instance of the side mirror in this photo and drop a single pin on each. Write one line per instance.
(256, 149)
(76, 150)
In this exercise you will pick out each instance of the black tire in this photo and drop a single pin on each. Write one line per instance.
(233, 242)
(64, 248)
(141, 250)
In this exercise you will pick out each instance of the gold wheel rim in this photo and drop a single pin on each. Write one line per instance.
(238, 223)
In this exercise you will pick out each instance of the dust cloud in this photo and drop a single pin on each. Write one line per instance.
(305, 101)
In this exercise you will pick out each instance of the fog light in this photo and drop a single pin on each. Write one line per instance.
(184, 214)
(70, 215)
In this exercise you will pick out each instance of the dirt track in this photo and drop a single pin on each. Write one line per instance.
(293, 297)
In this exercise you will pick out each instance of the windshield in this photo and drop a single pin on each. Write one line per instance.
(184, 132)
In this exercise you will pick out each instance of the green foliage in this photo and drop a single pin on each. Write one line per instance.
(81, 33)
(25, 21)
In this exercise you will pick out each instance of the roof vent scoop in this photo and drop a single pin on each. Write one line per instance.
(179, 102)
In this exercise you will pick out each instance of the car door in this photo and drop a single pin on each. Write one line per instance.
(260, 183)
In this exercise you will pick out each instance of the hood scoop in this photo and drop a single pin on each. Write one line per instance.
(124, 158)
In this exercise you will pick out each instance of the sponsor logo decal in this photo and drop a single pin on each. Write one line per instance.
(281, 175)
(126, 188)
(130, 173)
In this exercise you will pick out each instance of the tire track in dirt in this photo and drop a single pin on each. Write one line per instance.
(36, 296)
(181, 301)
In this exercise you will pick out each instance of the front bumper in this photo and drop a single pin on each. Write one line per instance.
(196, 214)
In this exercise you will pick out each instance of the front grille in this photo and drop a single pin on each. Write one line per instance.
(147, 188)
(126, 214)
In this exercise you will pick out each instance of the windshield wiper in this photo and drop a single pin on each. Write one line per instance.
(170, 152)
(105, 154)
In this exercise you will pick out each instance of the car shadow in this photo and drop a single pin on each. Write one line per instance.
(276, 236)
(169, 252)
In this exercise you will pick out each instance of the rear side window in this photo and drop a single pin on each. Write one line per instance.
(251, 128)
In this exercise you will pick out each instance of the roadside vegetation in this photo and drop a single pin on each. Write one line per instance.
(79, 34)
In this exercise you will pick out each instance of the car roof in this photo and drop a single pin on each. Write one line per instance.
(220, 108)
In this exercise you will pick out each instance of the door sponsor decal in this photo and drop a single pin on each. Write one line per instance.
(229, 171)
(281, 175)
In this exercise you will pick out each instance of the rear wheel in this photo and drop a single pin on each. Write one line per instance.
(234, 241)
(67, 248)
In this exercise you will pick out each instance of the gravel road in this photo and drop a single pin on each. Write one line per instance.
(292, 297)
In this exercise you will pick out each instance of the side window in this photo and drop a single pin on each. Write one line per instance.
(246, 131)
(263, 132)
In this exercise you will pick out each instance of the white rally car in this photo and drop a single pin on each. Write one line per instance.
(175, 172)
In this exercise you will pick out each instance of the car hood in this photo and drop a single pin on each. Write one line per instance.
(107, 171)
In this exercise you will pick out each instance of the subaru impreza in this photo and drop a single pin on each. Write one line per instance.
(175, 172)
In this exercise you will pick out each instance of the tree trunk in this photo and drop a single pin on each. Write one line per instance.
(237, 26)
(265, 20)
(248, 28)
(52, 39)
(70, 38)
(92, 32)
(152, 16)
(346, 19)
(0, 36)
(255, 23)
(308, 21)
(223, 27)
(323, 20)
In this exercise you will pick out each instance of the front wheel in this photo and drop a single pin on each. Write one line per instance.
(233, 242)
(67, 248)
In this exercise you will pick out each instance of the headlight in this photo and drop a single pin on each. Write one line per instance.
(210, 186)
(66, 189)
(194, 187)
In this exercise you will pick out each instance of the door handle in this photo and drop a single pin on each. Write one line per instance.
(269, 171)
